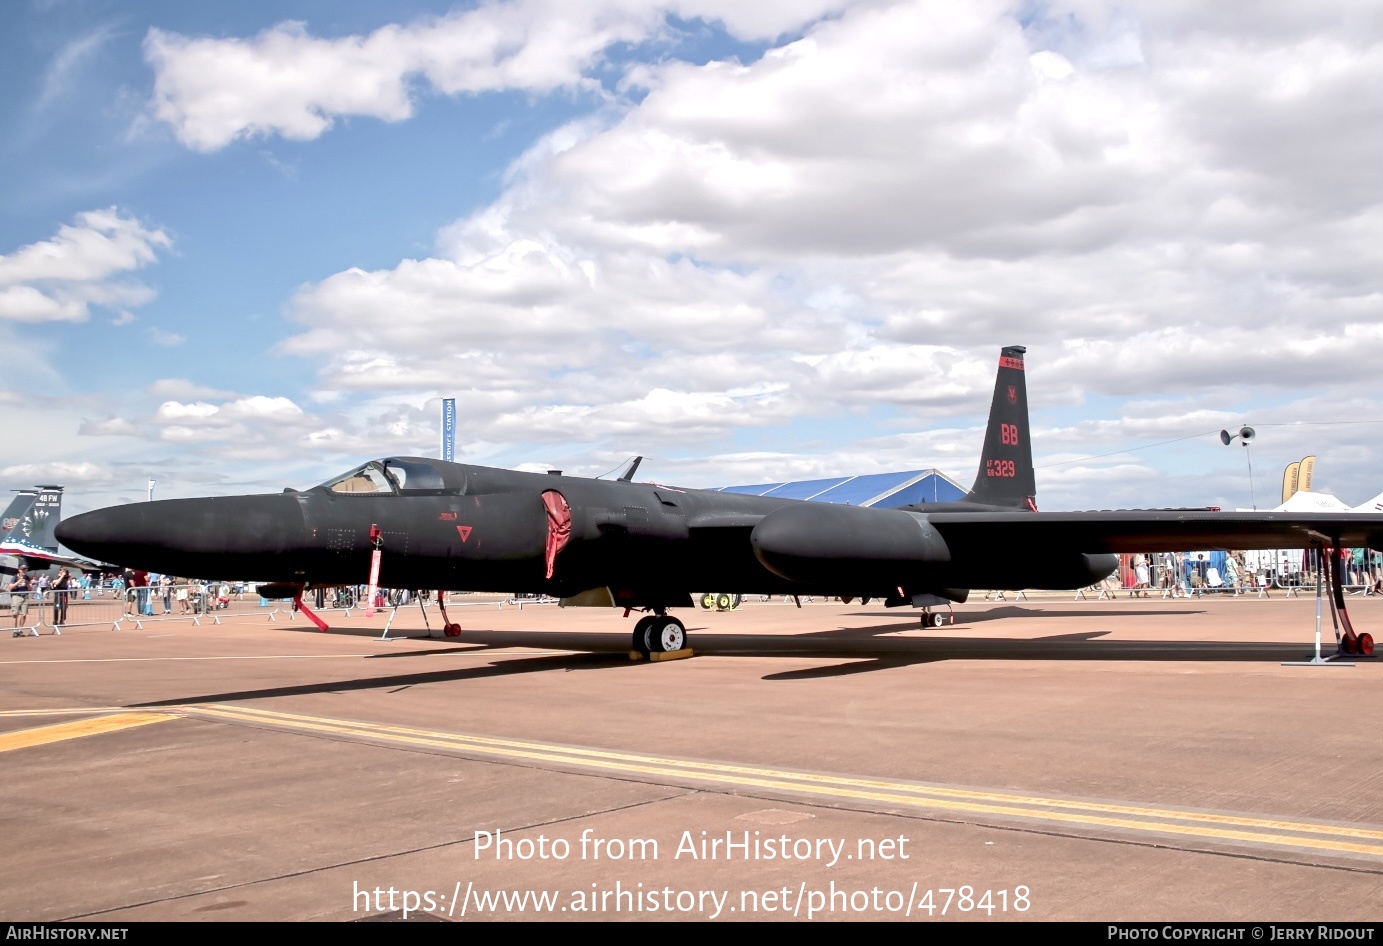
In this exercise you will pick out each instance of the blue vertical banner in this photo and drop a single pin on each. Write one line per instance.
(449, 428)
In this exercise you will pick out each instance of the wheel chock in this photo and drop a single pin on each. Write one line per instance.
(682, 654)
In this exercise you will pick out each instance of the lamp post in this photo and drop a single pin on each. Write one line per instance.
(1245, 436)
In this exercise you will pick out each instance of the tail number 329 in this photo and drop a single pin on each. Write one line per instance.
(1003, 468)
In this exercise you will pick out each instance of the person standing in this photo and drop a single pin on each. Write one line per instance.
(1232, 573)
(140, 581)
(62, 588)
(1140, 574)
(19, 598)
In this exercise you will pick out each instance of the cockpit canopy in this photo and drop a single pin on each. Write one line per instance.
(388, 477)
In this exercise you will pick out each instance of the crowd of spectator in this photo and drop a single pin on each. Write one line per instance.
(1182, 574)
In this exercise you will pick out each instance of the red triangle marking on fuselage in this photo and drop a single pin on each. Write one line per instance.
(464, 532)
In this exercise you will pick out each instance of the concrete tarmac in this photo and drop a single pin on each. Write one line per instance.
(1040, 759)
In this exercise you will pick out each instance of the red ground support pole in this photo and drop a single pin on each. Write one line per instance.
(311, 615)
(1360, 645)
(376, 540)
(448, 628)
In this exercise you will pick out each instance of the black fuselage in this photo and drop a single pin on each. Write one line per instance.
(484, 529)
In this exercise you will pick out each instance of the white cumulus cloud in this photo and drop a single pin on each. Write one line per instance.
(60, 472)
(58, 279)
(1168, 202)
(259, 407)
(285, 81)
(1153, 199)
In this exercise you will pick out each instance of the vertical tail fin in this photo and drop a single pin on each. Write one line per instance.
(18, 508)
(34, 526)
(1005, 477)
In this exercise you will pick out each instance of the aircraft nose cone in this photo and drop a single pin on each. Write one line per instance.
(227, 536)
(91, 533)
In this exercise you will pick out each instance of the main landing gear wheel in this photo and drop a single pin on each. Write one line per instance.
(664, 635)
(640, 639)
(935, 620)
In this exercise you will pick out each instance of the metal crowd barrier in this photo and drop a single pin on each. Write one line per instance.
(1105, 591)
(68, 608)
(34, 613)
(1362, 579)
(394, 608)
(422, 602)
(92, 606)
(194, 601)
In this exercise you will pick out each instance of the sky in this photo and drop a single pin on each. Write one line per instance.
(246, 246)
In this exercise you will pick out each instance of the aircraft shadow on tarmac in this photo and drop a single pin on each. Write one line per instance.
(405, 680)
(861, 650)
(1014, 611)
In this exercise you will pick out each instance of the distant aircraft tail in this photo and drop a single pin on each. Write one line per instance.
(34, 527)
(1005, 477)
(17, 509)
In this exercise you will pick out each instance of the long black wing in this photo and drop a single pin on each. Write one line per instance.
(1155, 530)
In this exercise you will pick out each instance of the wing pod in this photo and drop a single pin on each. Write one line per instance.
(849, 546)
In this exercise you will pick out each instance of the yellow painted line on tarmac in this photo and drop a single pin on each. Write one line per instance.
(63, 711)
(1153, 820)
(58, 732)
(580, 754)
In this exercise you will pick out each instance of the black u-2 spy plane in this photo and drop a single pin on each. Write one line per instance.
(647, 547)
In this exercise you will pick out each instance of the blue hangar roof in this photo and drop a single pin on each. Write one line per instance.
(884, 490)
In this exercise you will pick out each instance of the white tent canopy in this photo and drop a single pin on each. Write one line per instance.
(1303, 501)
(1373, 505)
